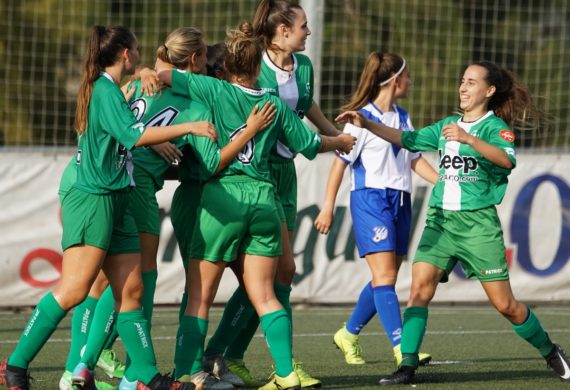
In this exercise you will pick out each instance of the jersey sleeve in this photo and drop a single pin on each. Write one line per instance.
(424, 139)
(504, 139)
(361, 136)
(201, 88)
(118, 120)
(296, 134)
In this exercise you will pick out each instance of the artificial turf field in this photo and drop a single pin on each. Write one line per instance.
(473, 348)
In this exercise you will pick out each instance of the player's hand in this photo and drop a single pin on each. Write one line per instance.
(347, 141)
(168, 151)
(150, 84)
(453, 132)
(353, 117)
(128, 90)
(259, 119)
(203, 129)
(324, 221)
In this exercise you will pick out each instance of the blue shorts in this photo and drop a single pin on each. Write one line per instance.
(381, 220)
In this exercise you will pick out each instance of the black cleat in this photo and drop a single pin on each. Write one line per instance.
(559, 363)
(403, 376)
(165, 382)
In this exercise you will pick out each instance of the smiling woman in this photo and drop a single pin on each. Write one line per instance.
(476, 155)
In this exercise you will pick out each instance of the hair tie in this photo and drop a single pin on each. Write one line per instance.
(395, 74)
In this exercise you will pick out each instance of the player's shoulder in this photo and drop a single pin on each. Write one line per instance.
(303, 60)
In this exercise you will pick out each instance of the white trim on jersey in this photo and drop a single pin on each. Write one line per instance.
(376, 163)
(286, 81)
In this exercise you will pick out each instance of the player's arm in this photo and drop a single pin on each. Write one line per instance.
(453, 132)
(258, 120)
(390, 134)
(343, 142)
(324, 220)
(316, 116)
(424, 170)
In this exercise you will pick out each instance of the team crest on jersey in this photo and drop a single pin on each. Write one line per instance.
(247, 153)
(308, 89)
(380, 233)
(507, 135)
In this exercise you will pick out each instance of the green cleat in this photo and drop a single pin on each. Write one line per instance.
(111, 366)
(349, 345)
(307, 381)
(239, 368)
(424, 358)
(290, 382)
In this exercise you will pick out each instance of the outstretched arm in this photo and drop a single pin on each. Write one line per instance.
(424, 170)
(325, 127)
(390, 134)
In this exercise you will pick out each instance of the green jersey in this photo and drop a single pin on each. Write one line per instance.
(164, 109)
(112, 130)
(467, 181)
(231, 105)
(295, 88)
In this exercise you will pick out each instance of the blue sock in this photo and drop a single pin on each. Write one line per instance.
(388, 309)
(363, 311)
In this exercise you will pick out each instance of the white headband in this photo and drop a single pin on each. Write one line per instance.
(383, 83)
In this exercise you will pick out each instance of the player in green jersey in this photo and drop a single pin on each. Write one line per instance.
(93, 212)
(237, 217)
(476, 154)
(288, 74)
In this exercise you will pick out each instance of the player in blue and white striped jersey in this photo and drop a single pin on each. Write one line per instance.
(380, 200)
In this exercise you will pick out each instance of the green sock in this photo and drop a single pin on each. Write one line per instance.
(236, 350)
(190, 346)
(283, 294)
(40, 326)
(101, 328)
(80, 325)
(112, 337)
(236, 314)
(149, 287)
(133, 329)
(413, 330)
(277, 329)
(532, 331)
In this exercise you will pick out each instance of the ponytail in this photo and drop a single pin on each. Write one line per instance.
(244, 51)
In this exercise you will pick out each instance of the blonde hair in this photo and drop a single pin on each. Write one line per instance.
(179, 46)
(244, 51)
(379, 68)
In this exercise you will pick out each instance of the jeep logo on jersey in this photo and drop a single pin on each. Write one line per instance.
(247, 153)
(464, 163)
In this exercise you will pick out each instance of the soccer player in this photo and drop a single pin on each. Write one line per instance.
(237, 217)
(93, 214)
(380, 200)
(289, 75)
(476, 154)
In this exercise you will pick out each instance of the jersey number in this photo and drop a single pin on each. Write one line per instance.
(162, 118)
(247, 153)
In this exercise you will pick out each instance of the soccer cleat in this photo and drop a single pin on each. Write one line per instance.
(206, 381)
(217, 367)
(403, 376)
(290, 382)
(349, 345)
(127, 384)
(559, 363)
(65, 383)
(110, 365)
(237, 366)
(165, 382)
(15, 378)
(423, 358)
(307, 381)
(83, 378)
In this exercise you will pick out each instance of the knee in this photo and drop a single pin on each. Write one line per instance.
(511, 309)
(132, 292)
(285, 272)
(69, 298)
(421, 293)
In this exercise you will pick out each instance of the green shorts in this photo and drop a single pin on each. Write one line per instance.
(100, 221)
(237, 215)
(143, 205)
(474, 238)
(183, 214)
(284, 178)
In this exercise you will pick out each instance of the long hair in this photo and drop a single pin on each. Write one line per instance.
(512, 102)
(103, 50)
(379, 68)
(244, 51)
(179, 46)
(270, 14)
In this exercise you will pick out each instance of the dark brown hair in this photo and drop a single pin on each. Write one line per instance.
(270, 14)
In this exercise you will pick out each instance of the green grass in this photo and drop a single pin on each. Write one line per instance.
(472, 347)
